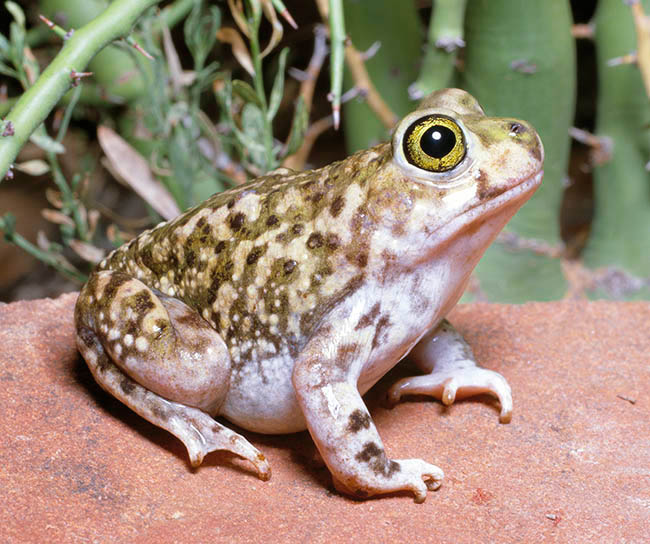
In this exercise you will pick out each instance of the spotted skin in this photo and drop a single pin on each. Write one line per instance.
(279, 303)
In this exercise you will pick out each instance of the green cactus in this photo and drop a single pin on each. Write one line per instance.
(621, 226)
(392, 69)
(520, 62)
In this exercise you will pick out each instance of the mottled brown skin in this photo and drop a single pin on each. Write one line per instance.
(278, 303)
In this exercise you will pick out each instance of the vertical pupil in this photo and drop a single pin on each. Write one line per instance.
(437, 141)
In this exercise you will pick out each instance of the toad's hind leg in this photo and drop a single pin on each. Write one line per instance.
(160, 358)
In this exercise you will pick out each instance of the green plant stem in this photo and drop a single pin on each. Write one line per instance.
(258, 81)
(38, 101)
(44, 256)
(337, 55)
(173, 14)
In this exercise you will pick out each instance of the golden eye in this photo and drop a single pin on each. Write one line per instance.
(434, 143)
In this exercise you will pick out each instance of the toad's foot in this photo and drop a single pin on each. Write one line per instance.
(460, 383)
(413, 475)
(452, 372)
(200, 433)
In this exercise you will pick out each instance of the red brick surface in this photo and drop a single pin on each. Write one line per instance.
(573, 466)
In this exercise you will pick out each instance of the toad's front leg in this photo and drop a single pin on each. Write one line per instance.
(325, 382)
(451, 372)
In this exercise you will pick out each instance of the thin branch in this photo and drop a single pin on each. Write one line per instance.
(37, 102)
(297, 160)
(363, 82)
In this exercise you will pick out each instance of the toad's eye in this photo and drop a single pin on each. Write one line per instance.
(434, 143)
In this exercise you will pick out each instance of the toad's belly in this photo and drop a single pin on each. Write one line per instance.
(261, 397)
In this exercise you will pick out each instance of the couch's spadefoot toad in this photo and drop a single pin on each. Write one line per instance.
(279, 303)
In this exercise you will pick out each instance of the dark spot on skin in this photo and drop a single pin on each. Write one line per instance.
(352, 285)
(345, 355)
(281, 237)
(237, 221)
(231, 203)
(159, 412)
(254, 255)
(103, 362)
(359, 220)
(483, 189)
(87, 336)
(272, 220)
(316, 197)
(216, 317)
(370, 451)
(298, 229)
(362, 259)
(536, 152)
(382, 324)
(375, 457)
(289, 266)
(143, 302)
(127, 386)
(486, 192)
(389, 268)
(315, 240)
(219, 247)
(117, 280)
(332, 240)
(200, 222)
(369, 318)
(190, 258)
(358, 420)
(337, 206)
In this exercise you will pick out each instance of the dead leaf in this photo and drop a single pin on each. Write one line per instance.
(57, 217)
(86, 251)
(173, 62)
(278, 31)
(54, 198)
(35, 167)
(237, 11)
(93, 220)
(134, 170)
(239, 49)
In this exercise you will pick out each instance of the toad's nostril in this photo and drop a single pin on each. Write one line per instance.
(517, 128)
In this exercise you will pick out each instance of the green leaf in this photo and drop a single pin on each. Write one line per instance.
(4, 47)
(4, 69)
(298, 127)
(246, 92)
(17, 12)
(201, 32)
(252, 134)
(17, 35)
(45, 142)
(278, 86)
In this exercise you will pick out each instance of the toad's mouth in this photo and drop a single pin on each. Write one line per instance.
(504, 205)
